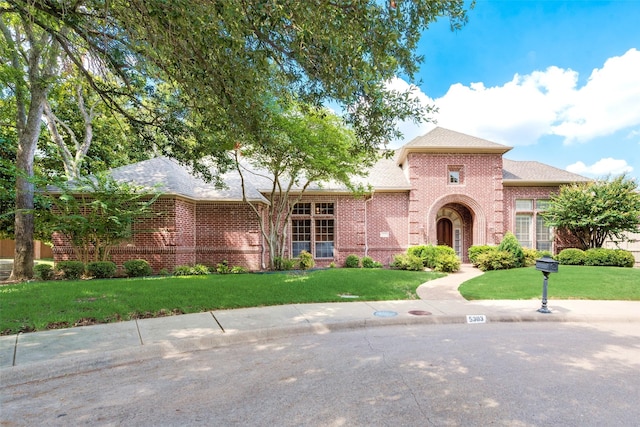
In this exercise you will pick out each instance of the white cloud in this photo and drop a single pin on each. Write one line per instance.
(547, 102)
(601, 168)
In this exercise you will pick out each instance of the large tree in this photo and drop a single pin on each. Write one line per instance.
(218, 60)
(298, 147)
(596, 211)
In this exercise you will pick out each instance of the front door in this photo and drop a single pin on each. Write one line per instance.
(445, 232)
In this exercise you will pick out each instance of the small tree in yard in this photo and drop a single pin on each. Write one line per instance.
(596, 211)
(96, 214)
(299, 146)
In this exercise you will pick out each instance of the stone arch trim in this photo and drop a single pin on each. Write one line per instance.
(479, 217)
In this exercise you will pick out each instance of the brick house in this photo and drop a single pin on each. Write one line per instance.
(443, 187)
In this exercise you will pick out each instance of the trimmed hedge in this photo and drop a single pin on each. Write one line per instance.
(71, 269)
(137, 268)
(352, 261)
(475, 251)
(368, 262)
(43, 271)
(102, 269)
(496, 260)
(407, 262)
(602, 257)
(510, 244)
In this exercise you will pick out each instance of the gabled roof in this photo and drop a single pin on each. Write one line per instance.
(172, 178)
(529, 173)
(441, 140)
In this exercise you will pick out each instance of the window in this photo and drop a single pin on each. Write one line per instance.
(320, 237)
(300, 236)
(523, 229)
(530, 229)
(324, 238)
(455, 175)
(524, 205)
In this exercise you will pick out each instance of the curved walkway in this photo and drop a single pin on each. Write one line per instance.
(446, 288)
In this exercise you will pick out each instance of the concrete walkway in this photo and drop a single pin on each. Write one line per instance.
(35, 355)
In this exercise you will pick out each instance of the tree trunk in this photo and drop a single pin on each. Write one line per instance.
(24, 224)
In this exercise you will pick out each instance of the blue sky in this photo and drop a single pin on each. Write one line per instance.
(557, 80)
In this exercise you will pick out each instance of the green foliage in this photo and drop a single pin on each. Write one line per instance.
(496, 260)
(571, 256)
(43, 271)
(101, 269)
(510, 244)
(200, 269)
(475, 251)
(306, 260)
(95, 214)
(531, 255)
(137, 268)
(71, 269)
(596, 211)
(284, 264)
(447, 263)
(223, 267)
(368, 262)
(352, 261)
(236, 269)
(183, 270)
(407, 262)
(608, 257)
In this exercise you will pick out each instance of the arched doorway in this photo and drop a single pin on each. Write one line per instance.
(445, 232)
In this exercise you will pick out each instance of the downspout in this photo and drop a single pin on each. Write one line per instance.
(262, 245)
(366, 225)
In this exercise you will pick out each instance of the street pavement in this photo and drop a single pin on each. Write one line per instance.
(48, 354)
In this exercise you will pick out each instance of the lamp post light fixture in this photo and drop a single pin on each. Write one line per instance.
(547, 265)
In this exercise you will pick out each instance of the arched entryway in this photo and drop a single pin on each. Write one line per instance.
(456, 221)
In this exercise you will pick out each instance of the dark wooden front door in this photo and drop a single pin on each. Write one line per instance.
(445, 232)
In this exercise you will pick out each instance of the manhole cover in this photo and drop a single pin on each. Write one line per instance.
(419, 313)
(385, 313)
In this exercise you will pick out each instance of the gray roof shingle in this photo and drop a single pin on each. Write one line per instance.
(535, 173)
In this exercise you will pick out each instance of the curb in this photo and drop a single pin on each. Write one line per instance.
(74, 365)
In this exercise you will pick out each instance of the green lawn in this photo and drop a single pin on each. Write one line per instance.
(45, 305)
(571, 282)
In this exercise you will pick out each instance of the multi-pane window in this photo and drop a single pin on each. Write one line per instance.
(454, 175)
(319, 239)
(324, 238)
(530, 229)
(300, 236)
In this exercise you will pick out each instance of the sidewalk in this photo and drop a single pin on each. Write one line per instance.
(62, 351)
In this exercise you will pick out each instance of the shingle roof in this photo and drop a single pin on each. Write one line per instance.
(173, 178)
(516, 173)
(441, 140)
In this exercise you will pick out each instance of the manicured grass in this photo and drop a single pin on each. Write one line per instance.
(571, 282)
(46, 305)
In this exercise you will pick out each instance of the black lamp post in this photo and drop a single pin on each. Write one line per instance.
(547, 265)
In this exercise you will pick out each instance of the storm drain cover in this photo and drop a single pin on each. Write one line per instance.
(384, 313)
(419, 313)
(349, 296)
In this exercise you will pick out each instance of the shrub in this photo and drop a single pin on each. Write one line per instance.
(447, 263)
(624, 258)
(475, 251)
(163, 272)
(223, 267)
(407, 262)
(284, 264)
(102, 269)
(352, 261)
(427, 253)
(43, 271)
(530, 256)
(368, 262)
(332, 264)
(71, 269)
(495, 260)
(571, 256)
(137, 268)
(510, 244)
(183, 270)
(200, 270)
(306, 260)
(238, 270)
(608, 257)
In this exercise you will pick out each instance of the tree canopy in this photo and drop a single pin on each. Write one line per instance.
(193, 78)
(596, 211)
